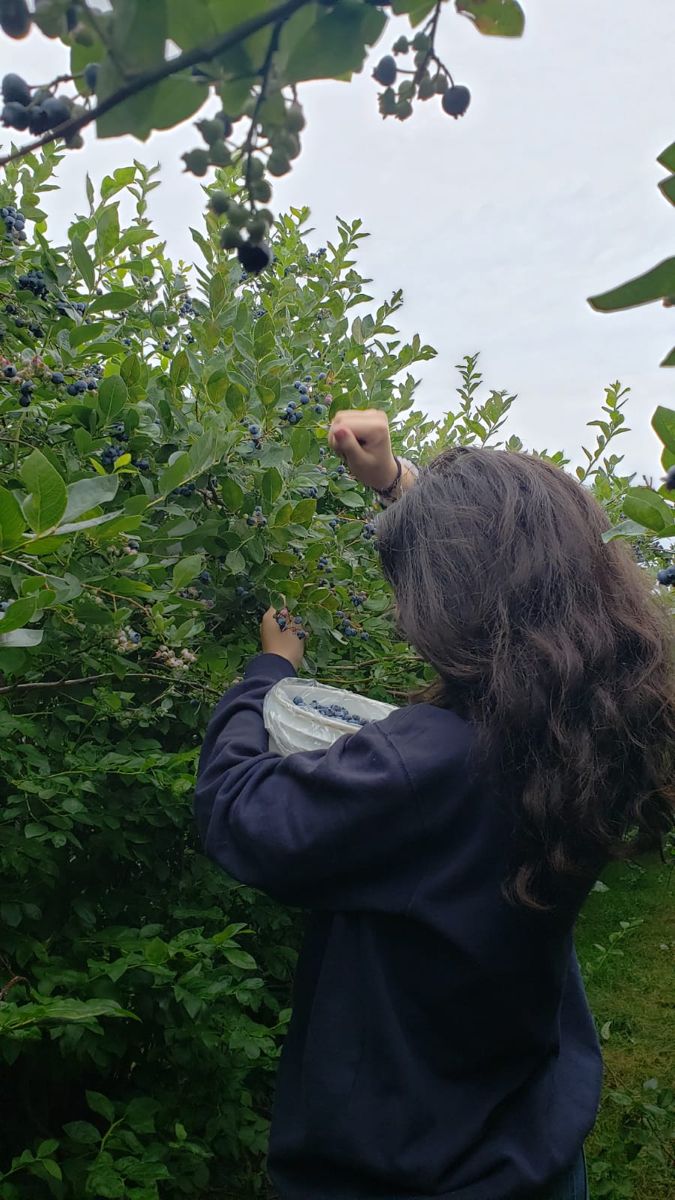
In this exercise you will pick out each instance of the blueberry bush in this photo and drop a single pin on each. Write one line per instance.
(165, 475)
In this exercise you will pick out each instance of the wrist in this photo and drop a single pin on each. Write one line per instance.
(386, 476)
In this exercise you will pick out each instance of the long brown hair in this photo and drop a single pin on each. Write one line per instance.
(551, 643)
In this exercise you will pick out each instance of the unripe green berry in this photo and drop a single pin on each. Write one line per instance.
(404, 110)
(219, 155)
(196, 161)
(401, 46)
(218, 203)
(230, 238)
(421, 41)
(295, 118)
(238, 215)
(256, 168)
(278, 163)
(211, 131)
(441, 84)
(425, 88)
(257, 228)
(261, 191)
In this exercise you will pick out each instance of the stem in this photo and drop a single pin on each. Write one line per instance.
(250, 143)
(168, 68)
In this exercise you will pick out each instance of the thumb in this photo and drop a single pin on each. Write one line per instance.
(347, 444)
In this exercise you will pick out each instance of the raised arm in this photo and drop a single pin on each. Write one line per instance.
(362, 438)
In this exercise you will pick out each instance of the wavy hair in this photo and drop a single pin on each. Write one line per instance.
(551, 642)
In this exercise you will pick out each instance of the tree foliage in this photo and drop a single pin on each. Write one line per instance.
(144, 65)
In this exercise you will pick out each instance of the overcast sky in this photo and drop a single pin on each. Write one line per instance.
(496, 226)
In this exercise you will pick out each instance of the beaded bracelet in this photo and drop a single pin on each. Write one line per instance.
(385, 493)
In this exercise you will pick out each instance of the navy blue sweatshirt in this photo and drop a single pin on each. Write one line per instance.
(441, 1043)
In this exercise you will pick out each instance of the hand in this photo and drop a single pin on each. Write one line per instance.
(362, 438)
(285, 642)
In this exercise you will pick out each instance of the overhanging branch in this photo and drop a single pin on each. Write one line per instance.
(191, 58)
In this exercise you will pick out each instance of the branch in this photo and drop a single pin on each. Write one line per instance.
(249, 145)
(191, 58)
(41, 684)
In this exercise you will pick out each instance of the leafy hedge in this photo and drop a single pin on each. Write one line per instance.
(157, 492)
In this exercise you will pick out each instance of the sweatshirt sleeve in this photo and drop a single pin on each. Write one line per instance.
(330, 829)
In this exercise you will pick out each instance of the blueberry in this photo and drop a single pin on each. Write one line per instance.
(24, 401)
(91, 385)
(667, 577)
(307, 378)
(135, 638)
(205, 577)
(143, 464)
(73, 389)
(298, 700)
(14, 88)
(304, 398)
(27, 386)
(9, 372)
(297, 384)
(365, 637)
(91, 76)
(301, 634)
(302, 389)
(456, 100)
(57, 377)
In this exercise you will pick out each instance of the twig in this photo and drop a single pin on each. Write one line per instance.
(41, 684)
(170, 67)
(250, 143)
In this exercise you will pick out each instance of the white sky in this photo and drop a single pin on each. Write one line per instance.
(496, 226)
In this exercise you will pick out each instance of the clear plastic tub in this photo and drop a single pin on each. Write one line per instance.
(292, 727)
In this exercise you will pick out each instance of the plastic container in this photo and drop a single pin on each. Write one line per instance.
(292, 727)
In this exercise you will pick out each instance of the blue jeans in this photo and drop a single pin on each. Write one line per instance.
(574, 1183)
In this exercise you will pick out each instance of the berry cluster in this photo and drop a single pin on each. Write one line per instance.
(295, 624)
(15, 223)
(33, 281)
(369, 531)
(38, 111)
(186, 489)
(64, 308)
(257, 517)
(186, 309)
(253, 252)
(126, 640)
(426, 78)
(667, 577)
(169, 658)
(669, 482)
(110, 455)
(334, 712)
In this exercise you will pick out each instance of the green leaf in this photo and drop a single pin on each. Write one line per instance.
(496, 18)
(83, 1132)
(663, 424)
(83, 262)
(111, 397)
(667, 188)
(12, 523)
(114, 302)
(334, 45)
(657, 284)
(667, 157)
(174, 100)
(119, 179)
(303, 512)
(51, 1167)
(235, 562)
(180, 369)
(623, 529)
(46, 502)
(175, 474)
(669, 360)
(239, 958)
(351, 500)
(104, 1182)
(157, 952)
(89, 493)
(186, 570)
(18, 614)
(107, 231)
(101, 1105)
(21, 637)
(45, 1149)
(271, 485)
(232, 495)
(645, 506)
(104, 519)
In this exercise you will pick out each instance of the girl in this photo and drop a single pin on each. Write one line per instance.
(441, 1044)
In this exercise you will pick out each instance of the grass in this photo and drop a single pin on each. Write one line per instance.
(626, 945)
